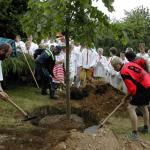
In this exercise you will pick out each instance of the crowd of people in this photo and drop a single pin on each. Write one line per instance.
(130, 72)
(85, 63)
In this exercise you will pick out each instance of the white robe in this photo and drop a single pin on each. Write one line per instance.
(78, 58)
(101, 66)
(112, 75)
(88, 58)
(71, 66)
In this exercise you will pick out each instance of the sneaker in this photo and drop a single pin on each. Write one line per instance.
(143, 130)
(133, 136)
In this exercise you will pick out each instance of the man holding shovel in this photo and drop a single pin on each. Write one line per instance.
(5, 52)
(137, 81)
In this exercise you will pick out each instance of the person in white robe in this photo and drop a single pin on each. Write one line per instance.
(88, 64)
(111, 73)
(121, 85)
(101, 66)
(78, 63)
(72, 66)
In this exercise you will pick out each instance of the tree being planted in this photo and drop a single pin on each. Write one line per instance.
(78, 19)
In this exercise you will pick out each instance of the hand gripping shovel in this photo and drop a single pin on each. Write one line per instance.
(26, 116)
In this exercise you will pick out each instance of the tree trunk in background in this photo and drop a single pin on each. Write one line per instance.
(68, 107)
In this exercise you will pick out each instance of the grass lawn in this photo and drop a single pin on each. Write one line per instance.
(26, 97)
(29, 98)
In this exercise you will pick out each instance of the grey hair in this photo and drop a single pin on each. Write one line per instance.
(129, 49)
(100, 49)
(115, 61)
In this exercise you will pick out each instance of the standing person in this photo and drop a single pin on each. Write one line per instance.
(111, 73)
(100, 69)
(142, 53)
(31, 46)
(44, 69)
(137, 81)
(59, 66)
(5, 52)
(88, 64)
(20, 45)
(78, 63)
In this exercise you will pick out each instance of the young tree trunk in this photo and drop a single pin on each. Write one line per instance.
(68, 107)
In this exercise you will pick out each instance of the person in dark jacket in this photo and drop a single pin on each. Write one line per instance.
(44, 69)
(137, 81)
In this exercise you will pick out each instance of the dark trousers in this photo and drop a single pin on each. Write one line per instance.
(46, 80)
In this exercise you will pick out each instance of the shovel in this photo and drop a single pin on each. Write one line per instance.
(26, 116)
(94, 128)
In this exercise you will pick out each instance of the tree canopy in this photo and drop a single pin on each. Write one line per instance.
(82, 20)
(11, 11)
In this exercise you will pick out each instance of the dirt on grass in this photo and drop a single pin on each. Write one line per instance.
(52, 131)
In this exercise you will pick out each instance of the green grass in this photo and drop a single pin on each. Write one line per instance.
(29, 98)
(122, 126)
(26, 97)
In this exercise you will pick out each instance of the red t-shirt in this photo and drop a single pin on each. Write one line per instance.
(135, 77)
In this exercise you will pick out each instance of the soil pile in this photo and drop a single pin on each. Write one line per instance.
(104, 139)
(102, 101)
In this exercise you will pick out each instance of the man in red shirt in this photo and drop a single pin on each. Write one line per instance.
(137, 81)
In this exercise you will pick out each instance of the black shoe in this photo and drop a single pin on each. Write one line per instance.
(44, 93)
(54, 97)
(143, 130)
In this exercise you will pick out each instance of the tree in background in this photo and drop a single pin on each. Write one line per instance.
(78, 19)
(137, 26)
(11, 11)
(129, 32)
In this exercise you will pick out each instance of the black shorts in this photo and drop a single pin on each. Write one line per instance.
(141, 98)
